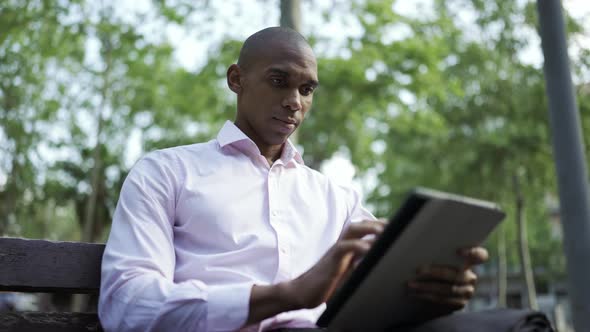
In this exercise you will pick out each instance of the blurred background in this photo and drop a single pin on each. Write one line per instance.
(443, 94)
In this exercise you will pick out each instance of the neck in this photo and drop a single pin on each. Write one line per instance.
(270, 152)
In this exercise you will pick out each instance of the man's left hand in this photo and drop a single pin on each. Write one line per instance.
(450, 287)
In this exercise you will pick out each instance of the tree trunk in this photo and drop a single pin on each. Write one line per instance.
(48, 216)
(90, 211)
(523, 246)
(502, 271)
(8, 204)
(11, 192)
(95, 177)
(80, 301)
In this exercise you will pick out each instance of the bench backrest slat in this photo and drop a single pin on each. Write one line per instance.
(47, 266)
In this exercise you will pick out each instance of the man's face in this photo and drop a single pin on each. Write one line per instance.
(276, 91)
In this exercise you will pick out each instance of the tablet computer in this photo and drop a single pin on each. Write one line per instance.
(428, 228)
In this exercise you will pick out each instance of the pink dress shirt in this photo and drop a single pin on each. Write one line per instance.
(196, 226)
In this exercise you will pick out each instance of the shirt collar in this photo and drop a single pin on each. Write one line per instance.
(230, 134)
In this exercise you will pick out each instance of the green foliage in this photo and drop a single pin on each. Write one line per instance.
(29, 31)
(132, 84)
(444, 109)
(443, 100)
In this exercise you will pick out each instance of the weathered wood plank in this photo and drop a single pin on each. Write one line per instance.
(49, 322)
(47, 266)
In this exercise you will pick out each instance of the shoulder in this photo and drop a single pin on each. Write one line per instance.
(176, 157)
(182, 153)
(171, 163)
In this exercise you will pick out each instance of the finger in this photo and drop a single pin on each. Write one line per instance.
(474, 255)
(446, 274)
(344, 254)
(442, 289)
(356, 247)
(361, 229)
(437, 272)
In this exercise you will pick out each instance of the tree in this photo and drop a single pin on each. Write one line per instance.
(29, 98)
(440, 108)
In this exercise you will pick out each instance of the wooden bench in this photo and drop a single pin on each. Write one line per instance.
(39, 266)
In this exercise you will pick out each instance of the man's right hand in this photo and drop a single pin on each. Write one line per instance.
(315, 286)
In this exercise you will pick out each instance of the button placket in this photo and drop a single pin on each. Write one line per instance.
(274, 189)
(283, 271)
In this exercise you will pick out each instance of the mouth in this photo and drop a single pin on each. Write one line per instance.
(286, 121)
(286, 125)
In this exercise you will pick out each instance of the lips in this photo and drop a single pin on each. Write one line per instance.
(285, 126)
(286, 121)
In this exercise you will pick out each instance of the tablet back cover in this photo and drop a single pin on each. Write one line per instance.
(429, 228)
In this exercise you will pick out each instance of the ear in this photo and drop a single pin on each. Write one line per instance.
(234, 76)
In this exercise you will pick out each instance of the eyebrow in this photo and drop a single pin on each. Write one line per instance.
(281, 72)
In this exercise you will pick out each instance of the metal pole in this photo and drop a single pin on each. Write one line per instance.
(569, 159)
(291, 14)
(291, 18)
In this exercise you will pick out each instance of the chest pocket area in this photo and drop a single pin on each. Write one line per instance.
(220, 215)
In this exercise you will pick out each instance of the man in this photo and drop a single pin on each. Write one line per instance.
(238, 232)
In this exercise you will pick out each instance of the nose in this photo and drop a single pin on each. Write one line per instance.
(292, 100)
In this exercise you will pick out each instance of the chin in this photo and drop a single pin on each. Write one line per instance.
(279, 139)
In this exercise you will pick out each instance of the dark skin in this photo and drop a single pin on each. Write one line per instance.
(274, 93)
(274, 96)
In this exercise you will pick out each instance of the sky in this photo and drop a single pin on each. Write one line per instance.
(191, 47)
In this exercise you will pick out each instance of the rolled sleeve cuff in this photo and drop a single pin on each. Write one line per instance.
(228, 306)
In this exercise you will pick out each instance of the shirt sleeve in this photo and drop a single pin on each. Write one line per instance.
(138, 291)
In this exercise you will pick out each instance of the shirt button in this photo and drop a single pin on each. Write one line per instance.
(283, 250)
(274, 213)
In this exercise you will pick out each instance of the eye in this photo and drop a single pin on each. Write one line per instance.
(307, 90)
(277, 81)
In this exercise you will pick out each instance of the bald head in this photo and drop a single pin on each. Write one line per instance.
(264, 42)
(274, 80)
